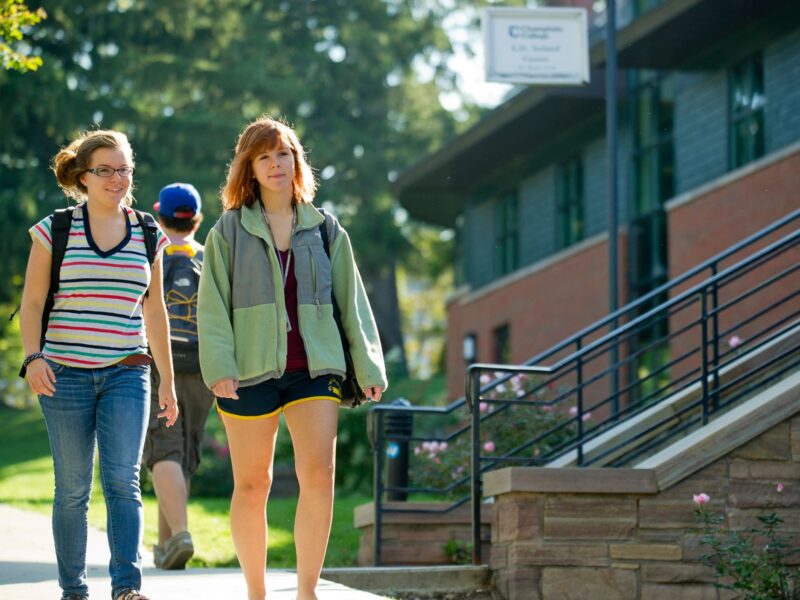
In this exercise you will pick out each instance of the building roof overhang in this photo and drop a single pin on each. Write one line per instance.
(434, 189)
(674, 34)
(686, 33)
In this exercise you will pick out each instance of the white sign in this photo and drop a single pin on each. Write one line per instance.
(536, 45)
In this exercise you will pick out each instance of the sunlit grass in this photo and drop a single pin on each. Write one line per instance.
(26, 481)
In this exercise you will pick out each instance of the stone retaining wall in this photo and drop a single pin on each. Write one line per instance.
(613, 534)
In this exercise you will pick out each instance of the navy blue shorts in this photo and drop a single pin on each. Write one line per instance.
(268, 398)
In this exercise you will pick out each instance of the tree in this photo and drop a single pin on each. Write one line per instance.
(182, 79)
(14, 18)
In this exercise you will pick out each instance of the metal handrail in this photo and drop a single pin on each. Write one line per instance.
(709, 379)
(710, 263)
(704, 292)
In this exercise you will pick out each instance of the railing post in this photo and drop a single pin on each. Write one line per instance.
(704, 352)
(473, 400)
(579, 368)
(715, 338)
(378, 487)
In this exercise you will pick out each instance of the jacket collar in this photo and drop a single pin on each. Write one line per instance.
(308, 217)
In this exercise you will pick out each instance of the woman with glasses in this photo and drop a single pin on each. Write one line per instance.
(90, 366)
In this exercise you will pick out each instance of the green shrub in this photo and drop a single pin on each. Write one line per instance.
(754, 560)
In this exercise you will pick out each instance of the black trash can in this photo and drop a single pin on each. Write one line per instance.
(399, 427)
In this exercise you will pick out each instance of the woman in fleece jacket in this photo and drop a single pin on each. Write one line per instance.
(269, 343)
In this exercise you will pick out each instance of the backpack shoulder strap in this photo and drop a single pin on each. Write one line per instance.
(337, 314)
(59, 231)
(327, 230)
(150, 232)
(59, 236)
(323, 232)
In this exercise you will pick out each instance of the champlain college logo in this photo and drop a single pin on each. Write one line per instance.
(334, 387)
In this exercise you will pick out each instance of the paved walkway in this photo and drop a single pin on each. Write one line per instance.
(28, 570)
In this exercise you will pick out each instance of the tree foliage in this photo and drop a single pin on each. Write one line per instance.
(182, 79)
(15, 17)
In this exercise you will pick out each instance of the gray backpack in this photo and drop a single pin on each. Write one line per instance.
(181, 281)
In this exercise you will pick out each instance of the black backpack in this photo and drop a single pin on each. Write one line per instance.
(352, 394)
(181, 281)
(59, 232)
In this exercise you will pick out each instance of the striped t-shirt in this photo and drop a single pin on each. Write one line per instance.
(97, 313)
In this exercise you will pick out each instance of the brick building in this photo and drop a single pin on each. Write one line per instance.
(709, 152)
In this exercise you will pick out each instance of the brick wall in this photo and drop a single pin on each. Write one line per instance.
(541, 308)
(641, 546)
(715, 219)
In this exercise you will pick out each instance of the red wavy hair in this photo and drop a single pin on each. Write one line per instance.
(265, 133)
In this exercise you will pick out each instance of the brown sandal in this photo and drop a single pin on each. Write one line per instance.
(131, 595)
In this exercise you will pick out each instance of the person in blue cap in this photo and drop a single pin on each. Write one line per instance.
(173, 454)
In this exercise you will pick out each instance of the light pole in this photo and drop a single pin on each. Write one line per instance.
(613, 220)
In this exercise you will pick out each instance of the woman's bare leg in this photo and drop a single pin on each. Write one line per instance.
(312, 426)
(252, 445)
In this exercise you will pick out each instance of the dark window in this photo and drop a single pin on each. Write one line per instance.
(569, 203)
(460, 257)
(653, 98)
(506, 239)
(653, 101)
(502, 345)
(747, 100)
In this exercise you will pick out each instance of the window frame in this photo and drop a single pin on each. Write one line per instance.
(751, 68)
(506, 233)
(570, 203)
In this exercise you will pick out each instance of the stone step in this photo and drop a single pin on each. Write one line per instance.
(450, 582)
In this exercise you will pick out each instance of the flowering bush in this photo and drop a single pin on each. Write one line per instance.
(754, 560)
(441, 465)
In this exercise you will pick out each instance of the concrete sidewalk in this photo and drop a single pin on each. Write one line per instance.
(28, 570)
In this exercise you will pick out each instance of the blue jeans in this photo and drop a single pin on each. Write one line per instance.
(107, 407)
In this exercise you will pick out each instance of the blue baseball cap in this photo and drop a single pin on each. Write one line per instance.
(178, 201)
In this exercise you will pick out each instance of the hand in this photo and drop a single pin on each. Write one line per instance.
(40, 377)
(374, 393)
(168, 402)
(226, 388)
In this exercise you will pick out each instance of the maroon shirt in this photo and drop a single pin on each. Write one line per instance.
(296, 359)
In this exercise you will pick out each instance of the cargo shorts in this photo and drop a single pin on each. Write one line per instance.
(181, 442)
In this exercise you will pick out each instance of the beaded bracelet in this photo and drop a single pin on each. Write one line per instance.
(28, 360)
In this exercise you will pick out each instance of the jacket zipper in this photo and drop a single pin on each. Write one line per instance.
(314, 282)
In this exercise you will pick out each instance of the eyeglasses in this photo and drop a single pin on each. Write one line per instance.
(108, 171)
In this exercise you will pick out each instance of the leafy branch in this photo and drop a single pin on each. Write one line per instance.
(15, 17)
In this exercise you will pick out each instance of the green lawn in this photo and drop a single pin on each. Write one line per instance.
(26, 481)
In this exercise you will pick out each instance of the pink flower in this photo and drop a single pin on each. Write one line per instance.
(417, 450)
(573, 410)
(501, 388)
(489, 446)
(586, 416)
(734, 341)
(779, 488)
(701, 499)
(483, 406)
(442, 446)
(547, 408)
(485, 378)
